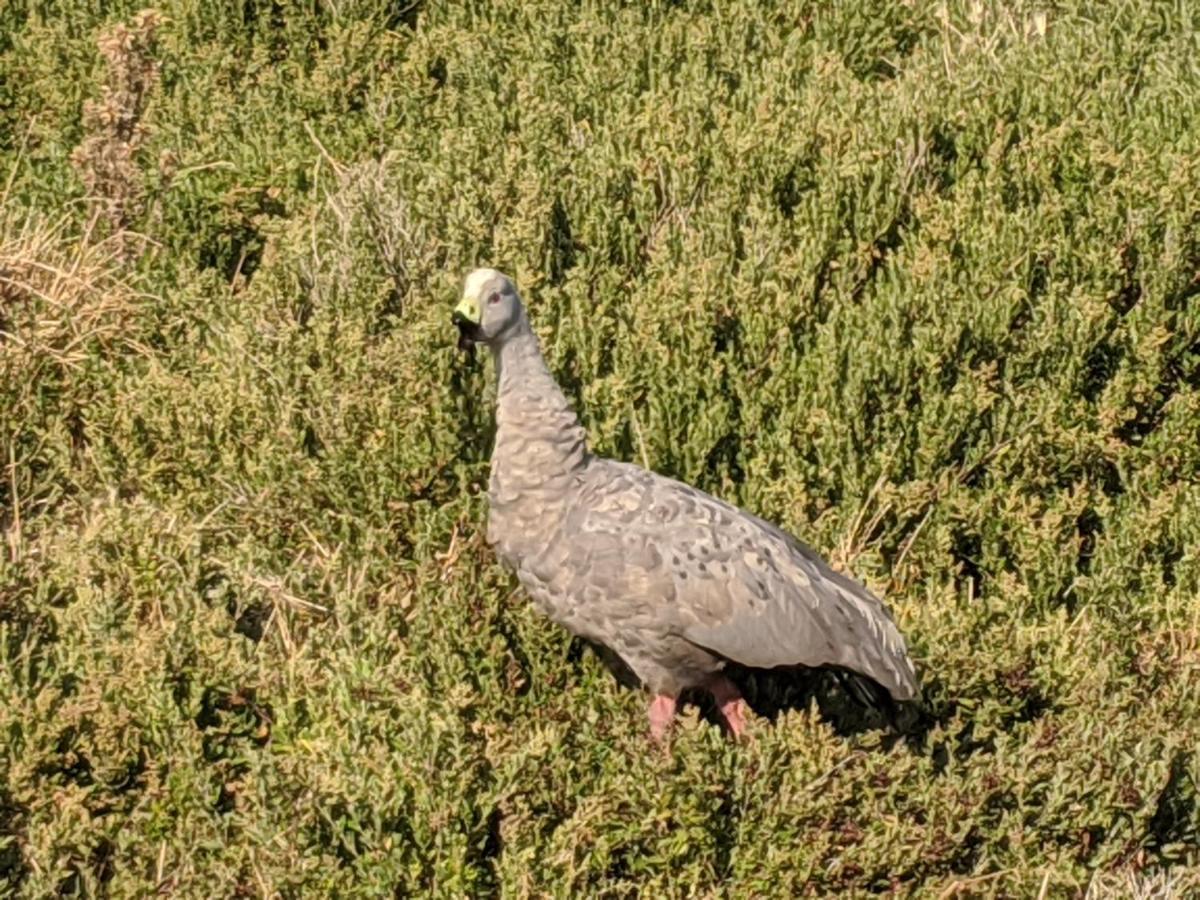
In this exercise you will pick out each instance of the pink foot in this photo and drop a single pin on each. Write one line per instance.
(730, 702)
(662, 714)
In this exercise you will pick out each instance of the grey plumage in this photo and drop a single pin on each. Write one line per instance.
(673, 581)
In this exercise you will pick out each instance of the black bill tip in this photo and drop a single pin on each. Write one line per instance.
(468, 333)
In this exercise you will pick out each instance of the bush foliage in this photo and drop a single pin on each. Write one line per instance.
(919, 282)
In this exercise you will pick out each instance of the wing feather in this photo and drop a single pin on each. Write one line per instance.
(743, 588)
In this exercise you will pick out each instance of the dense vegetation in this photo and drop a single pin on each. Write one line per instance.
(919, 281)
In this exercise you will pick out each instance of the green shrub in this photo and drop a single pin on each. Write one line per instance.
(920, 283)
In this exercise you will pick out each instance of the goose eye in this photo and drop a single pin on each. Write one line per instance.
(493, 298)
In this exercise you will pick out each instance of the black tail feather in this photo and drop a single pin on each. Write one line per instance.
(869, 694)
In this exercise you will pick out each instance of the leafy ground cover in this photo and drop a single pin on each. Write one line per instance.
(918, 281)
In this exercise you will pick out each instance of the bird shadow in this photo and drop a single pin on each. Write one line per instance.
(848, 702)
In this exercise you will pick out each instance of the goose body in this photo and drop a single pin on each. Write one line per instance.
(672, 582)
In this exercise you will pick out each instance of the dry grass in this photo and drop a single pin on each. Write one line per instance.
(115, 130)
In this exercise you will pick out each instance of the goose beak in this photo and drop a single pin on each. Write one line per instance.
(466, 319)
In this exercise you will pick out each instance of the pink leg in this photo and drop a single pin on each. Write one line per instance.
(662, 714)
(729, 700)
